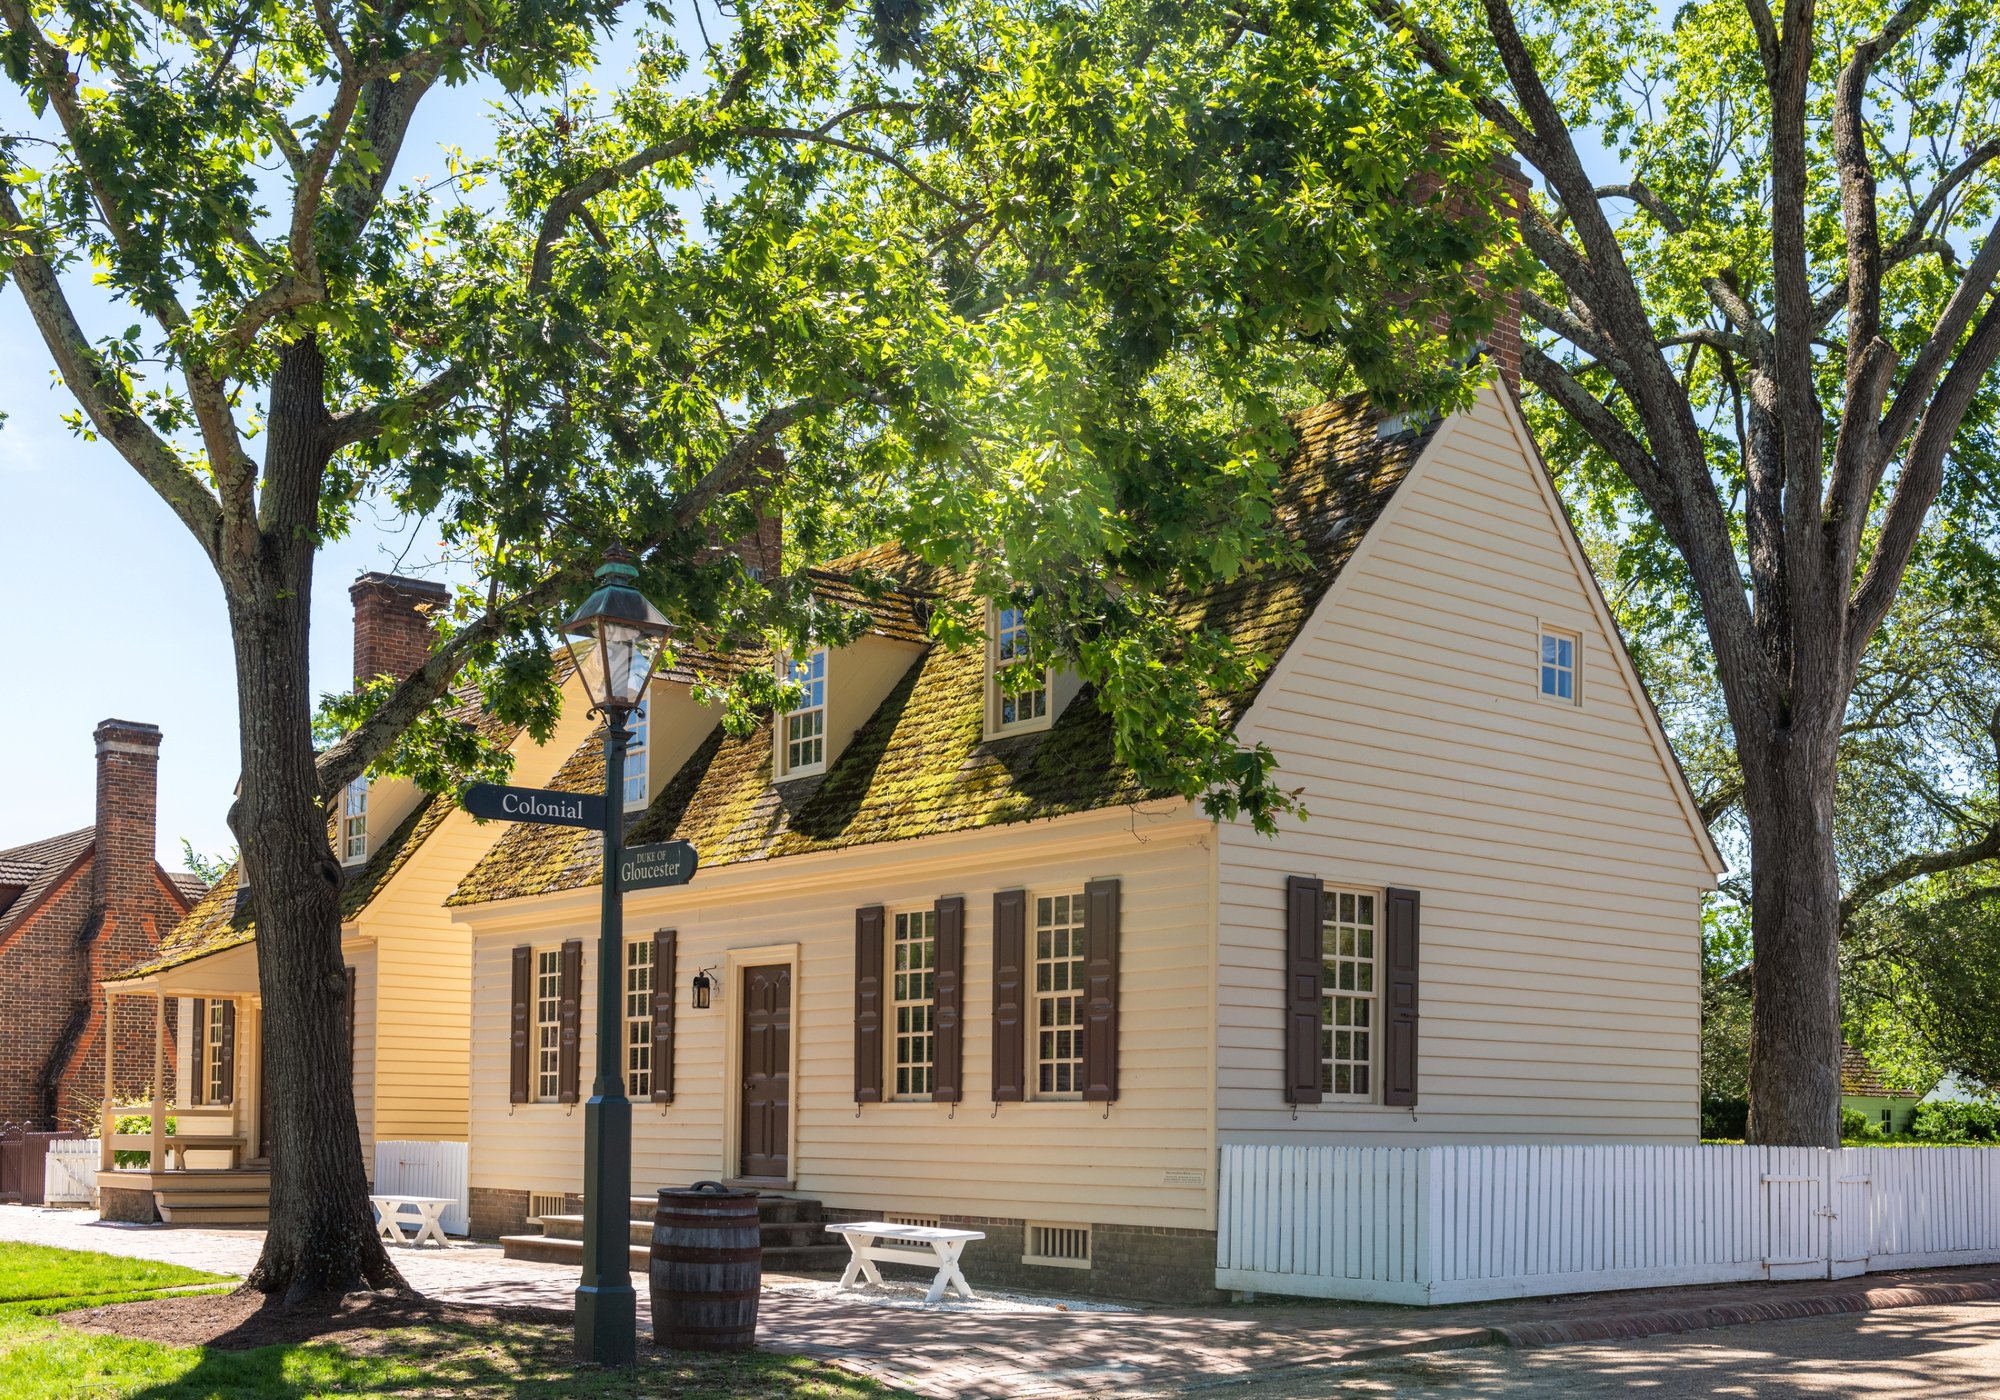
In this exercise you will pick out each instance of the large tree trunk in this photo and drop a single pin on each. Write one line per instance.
(321, 1238)
(1795, 935)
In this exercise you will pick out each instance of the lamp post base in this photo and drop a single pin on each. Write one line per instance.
(607, 1325)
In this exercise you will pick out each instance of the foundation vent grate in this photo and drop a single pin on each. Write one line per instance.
(1064, 1246)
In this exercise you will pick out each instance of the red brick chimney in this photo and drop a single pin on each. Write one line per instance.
(1502, 344)
(392, 624)
(122, 866)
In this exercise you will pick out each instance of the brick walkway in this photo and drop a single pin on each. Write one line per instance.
(1039, 1355)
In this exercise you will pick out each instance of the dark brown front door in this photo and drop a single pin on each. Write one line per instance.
(767, 1071)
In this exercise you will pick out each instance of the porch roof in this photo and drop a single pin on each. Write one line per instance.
(921, 764)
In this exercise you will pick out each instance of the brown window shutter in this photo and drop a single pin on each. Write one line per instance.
(1399, 983)
(518, 1088)
(1100, 991)
(1010, 1022)
(198, 1052)
(1305, 970)
(664, 947)
(347, 1014)
(868, 1004)
(570, 1063)
(947, 1003)
(228, 1053)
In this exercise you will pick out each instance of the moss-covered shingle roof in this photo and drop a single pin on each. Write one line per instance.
(921, 764)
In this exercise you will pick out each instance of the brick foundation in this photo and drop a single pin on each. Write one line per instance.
(495, 1213)
(1135, 1262)
(126, 1207)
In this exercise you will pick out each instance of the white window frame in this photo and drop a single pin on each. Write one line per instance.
(215, 1088)
(814, 709)
(547, 992)
(635, 762)
(1056, 987)
(638, 1017)
(1351, 983)
(1003, 637)
(1545, 668)
(354, 822)
(913, 1004)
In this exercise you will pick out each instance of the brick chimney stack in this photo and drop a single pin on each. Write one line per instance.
(1502, 344)
(128, 768)
(392, 624)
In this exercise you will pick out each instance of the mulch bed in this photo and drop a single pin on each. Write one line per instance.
(244, 1319)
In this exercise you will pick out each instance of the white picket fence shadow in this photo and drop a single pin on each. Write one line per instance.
(1458, 1224)
(426, 1169)
(69, 1172)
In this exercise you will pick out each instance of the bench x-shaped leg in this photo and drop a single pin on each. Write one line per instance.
(949, 1275)
(861, 1264)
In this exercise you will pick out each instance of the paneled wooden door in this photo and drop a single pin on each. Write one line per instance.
(767, 1072)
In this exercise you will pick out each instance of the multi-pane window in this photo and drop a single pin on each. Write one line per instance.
(548, 1023)
(354, 821)
(1559, 665)
(1347, 997)
(1010, 648)
(214, 1064)
(635, 762)
(913, 966)
(805, 727)
(1058, 995)
(639, 1018)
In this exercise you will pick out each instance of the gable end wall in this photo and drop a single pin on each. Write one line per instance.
(1560, 879)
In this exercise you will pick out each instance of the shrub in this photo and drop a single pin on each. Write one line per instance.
(136, 1123)
(1956, 1122)
(1854, 1124)
(1724, 1117)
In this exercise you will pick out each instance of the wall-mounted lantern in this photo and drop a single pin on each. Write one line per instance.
(704, 989)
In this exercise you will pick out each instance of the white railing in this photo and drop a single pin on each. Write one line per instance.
(69, 1172)
(426, 1169)
(1454, 1224)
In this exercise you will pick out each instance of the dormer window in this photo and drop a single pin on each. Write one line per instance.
(636, 786)
(1023, 706)
(354, 822)
(803, 734)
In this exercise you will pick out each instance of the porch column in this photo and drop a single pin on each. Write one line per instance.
(110, 1126)
(159, 1158)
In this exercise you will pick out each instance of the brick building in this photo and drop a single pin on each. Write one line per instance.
(75, 909)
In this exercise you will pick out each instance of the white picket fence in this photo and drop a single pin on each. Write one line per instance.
(1456, 1224)
(69, 1172)
(425, 1169)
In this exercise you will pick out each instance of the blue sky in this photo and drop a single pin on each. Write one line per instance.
(92, 561)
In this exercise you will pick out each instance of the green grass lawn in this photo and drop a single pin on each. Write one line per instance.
(41, 1358)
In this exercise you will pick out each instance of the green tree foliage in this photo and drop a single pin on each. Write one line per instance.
(1765, 328)
(1029, 286)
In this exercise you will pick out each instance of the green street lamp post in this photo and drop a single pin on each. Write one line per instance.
(624, 633)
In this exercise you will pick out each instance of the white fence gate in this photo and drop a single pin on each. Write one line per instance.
(69, 1172)
(1455, 1224)
(426, 1169)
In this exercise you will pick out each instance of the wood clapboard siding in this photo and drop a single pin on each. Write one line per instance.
(1561, 881)
(1063, 1161)
(359, 954)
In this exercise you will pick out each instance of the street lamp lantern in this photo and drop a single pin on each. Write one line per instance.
(625, 633)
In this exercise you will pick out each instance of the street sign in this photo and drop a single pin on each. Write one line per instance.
(512, 804)
(649, 867)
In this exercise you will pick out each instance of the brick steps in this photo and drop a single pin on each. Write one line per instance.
(788, 1226)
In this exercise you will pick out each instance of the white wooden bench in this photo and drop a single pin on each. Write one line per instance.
(926, 1246)
(391, 1215)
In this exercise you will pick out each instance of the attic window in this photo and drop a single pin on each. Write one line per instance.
(803, 737)
(354, 822)
(1561, 657)
(1022, 707)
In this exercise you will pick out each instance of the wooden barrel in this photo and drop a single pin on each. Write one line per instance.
(708, 1262)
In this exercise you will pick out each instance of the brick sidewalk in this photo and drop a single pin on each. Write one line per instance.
(1041, 1355)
